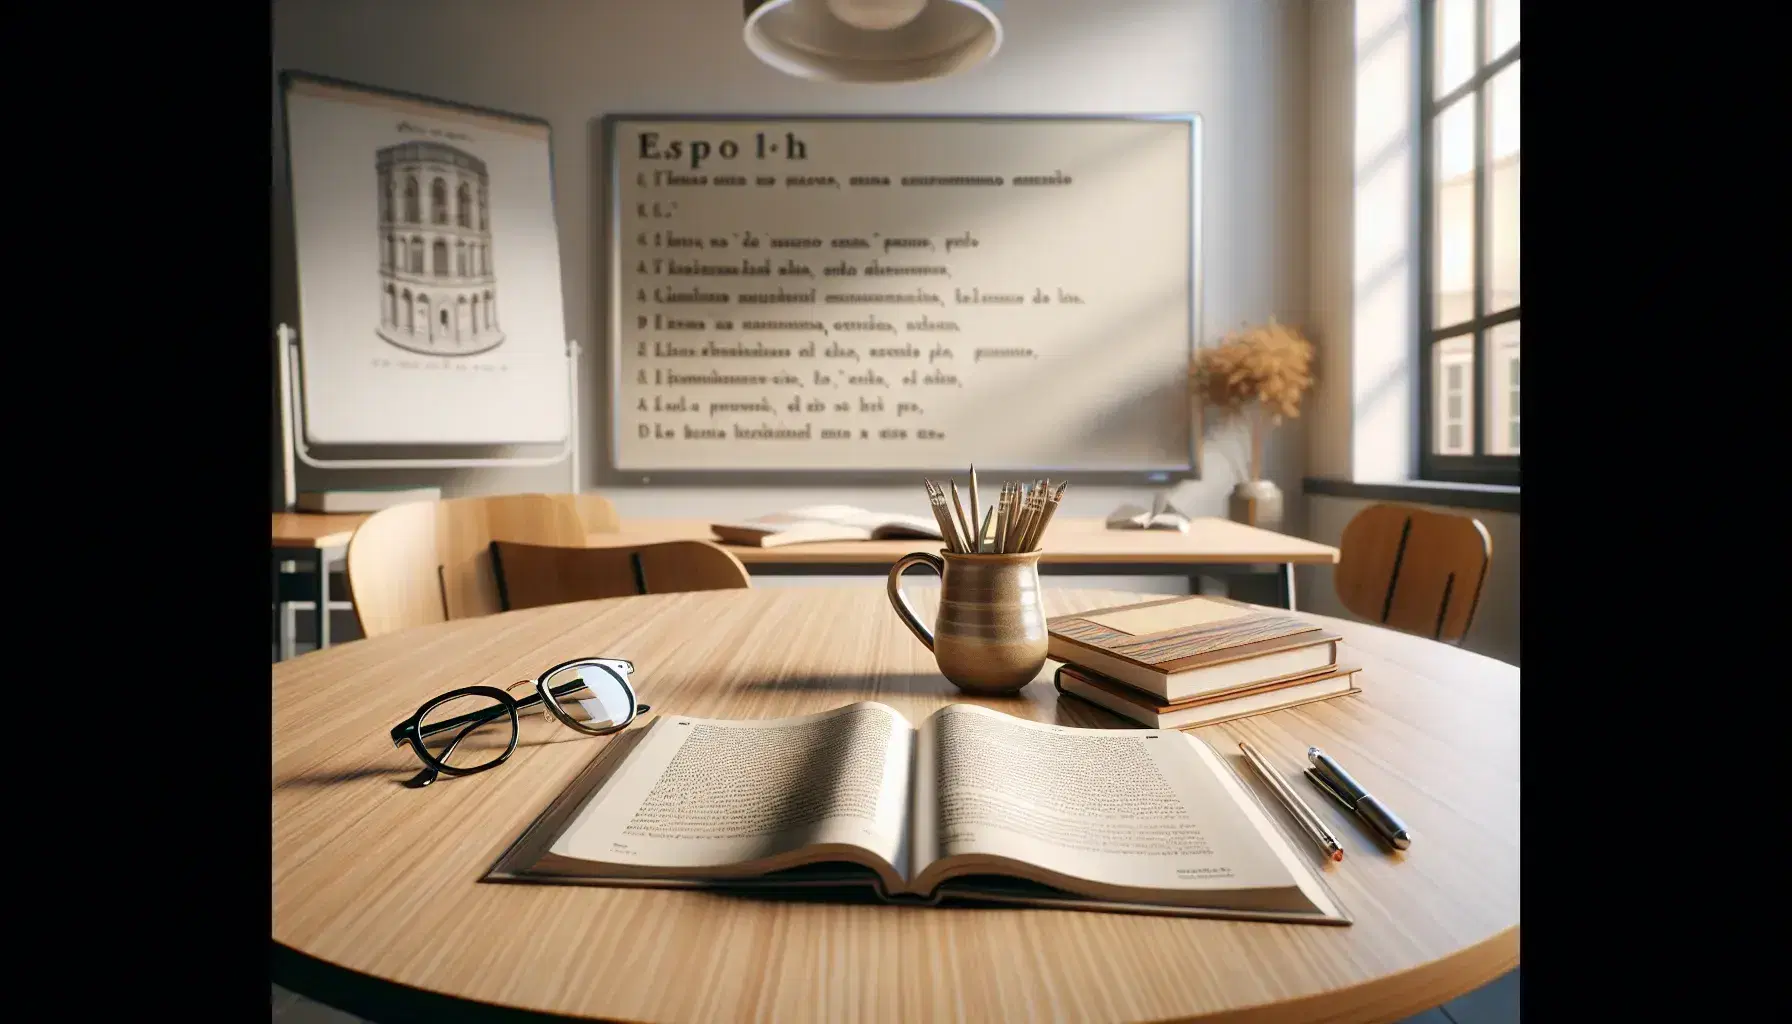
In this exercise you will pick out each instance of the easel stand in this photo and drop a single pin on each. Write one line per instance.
(289, 359)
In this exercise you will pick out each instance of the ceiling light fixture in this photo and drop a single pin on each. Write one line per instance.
(873, 40)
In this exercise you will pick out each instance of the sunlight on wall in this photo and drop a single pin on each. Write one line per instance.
(1382, 253)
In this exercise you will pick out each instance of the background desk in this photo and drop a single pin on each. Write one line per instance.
(378, 908)
(1071, 546)
(314, 543)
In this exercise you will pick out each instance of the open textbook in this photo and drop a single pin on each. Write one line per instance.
(971, 804)
(1161, 516)
(825, 522)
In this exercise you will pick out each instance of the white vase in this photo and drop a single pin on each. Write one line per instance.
(1257, 503)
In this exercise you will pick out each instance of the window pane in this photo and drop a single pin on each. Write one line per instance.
(1453, 213)
(1453, 396)
(1502, 390)
(1503, 190)
(1502, 26)
(1453, 43)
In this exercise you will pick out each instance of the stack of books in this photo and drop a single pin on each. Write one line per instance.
(1184, 662)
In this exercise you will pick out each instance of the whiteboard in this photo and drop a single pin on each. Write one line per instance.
(437, 322)
(911, 293)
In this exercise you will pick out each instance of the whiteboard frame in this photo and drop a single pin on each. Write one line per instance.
(611, 273)
(563, 449)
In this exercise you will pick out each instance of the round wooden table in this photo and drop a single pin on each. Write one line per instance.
(378, 905)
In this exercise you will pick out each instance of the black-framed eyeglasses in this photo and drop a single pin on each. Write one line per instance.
(475, 727)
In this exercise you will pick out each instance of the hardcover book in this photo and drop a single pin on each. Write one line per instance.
(1154, 713)
(1183, 647)
(971, 805)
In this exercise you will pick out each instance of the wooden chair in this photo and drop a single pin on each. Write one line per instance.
(532, 575)
(595, 512)
(431, 561)
(1413, 569)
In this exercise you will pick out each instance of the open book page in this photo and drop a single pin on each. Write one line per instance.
(1122, 808)
(724, 797)
(845, 515)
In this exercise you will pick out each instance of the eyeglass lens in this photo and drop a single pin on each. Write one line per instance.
(466, 732)
(590, 696)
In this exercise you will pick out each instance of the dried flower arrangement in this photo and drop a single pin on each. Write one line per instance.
(1258, 374)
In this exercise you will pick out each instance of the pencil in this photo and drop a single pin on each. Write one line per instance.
(987, 516)
(1004, 506)
(1038, 528)
(937, 502)
(1018, 519)
(958, 504)
(1027, 513)
(976, 511)
(958, 539)
(1051, 509)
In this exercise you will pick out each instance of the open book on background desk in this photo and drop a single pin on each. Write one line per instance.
(971, 804)
(1160, 516)
(823, 523)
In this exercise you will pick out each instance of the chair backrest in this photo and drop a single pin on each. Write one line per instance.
(1416, 570)
(431, 561)
(532, 575)
(595, 512)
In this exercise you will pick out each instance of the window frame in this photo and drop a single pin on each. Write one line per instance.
(1478, 467)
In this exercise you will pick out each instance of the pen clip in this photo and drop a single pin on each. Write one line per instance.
(1330, 790)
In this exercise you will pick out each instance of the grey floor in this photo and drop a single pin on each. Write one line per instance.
(1494, 1004)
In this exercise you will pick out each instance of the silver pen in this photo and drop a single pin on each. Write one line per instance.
(1309, 821)
(1330, 776)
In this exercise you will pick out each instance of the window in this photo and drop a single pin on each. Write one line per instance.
(439, 252)
(463, 206)
(1454, 408)
(410, 200)
(1469, 193)
(438, 202)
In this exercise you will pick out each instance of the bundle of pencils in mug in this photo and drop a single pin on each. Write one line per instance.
(1019, 517)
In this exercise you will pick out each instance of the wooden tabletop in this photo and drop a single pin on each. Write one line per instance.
(384, 880)
(1209, 541)
(307, 530)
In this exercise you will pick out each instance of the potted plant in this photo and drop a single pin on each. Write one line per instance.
(1256, 375)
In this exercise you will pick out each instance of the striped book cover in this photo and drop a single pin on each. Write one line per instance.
(1180, 633)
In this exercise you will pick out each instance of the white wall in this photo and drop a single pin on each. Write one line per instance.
(1241, 64)
(1364, 255)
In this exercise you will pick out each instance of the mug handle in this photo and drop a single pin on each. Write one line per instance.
(904, 610)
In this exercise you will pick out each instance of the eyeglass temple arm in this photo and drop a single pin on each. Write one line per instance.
(448, 750)
(429, 772)
(487, 714)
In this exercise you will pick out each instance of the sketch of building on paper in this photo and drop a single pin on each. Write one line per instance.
(438, 295)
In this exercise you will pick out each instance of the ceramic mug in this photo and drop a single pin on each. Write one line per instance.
(989, 636)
